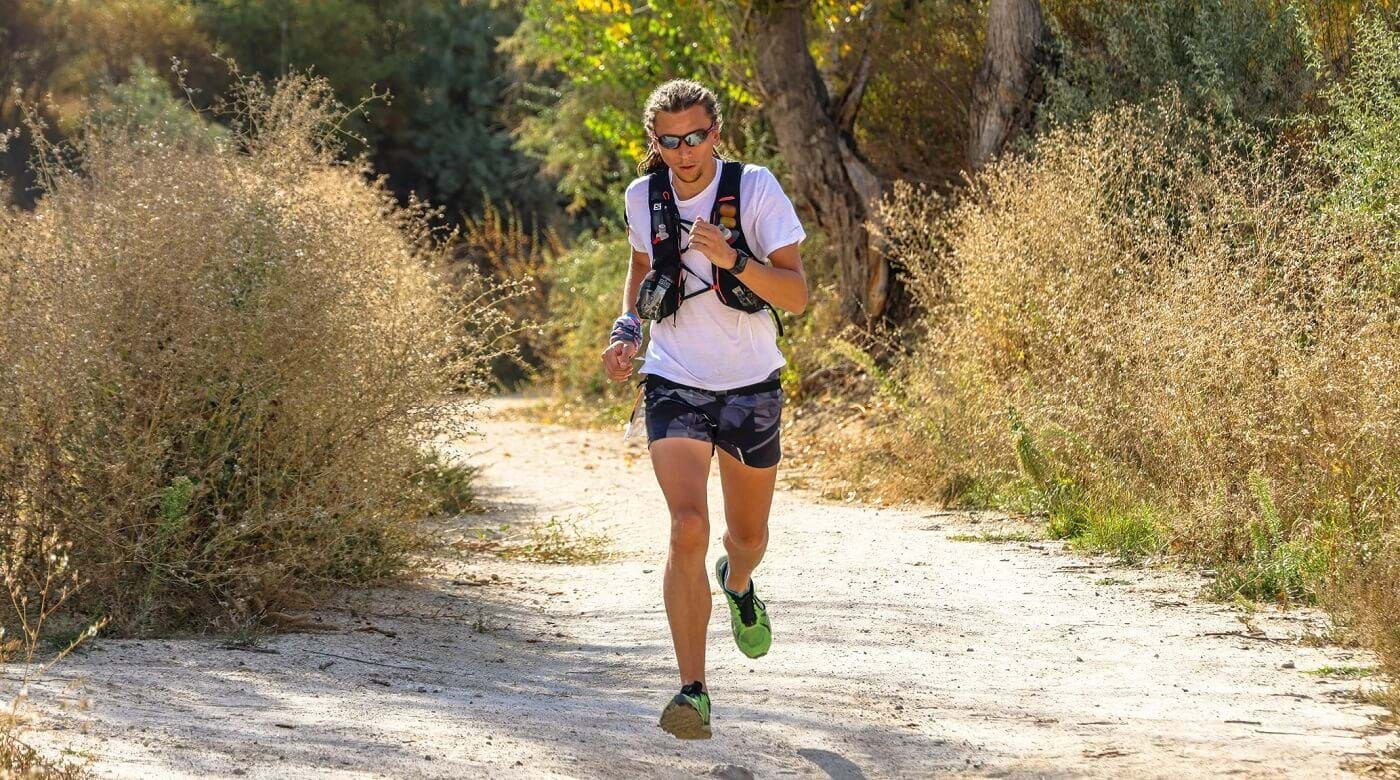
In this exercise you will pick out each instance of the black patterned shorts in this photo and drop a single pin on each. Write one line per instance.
(744, 424)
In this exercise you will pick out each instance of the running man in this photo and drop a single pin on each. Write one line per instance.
(711, 367)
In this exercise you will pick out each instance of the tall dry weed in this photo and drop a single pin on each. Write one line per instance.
(1189, 319)
(36, 580)
(499, 252)
(218, 359)
(1162, 324)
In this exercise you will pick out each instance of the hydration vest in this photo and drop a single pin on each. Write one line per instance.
(666, 265)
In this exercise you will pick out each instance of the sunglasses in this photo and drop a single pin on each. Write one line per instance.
(692, 139)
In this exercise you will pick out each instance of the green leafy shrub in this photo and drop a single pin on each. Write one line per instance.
(1275, 566)
(1361, 146)
(451, 483)
(585, 296)
(1234, 59)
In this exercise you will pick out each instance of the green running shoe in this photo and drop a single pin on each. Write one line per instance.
(687, 716)
(748, 616)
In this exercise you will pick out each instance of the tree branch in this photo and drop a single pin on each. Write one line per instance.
(844, 110)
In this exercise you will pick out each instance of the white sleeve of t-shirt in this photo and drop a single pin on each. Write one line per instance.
(635, 207)
(773, 222)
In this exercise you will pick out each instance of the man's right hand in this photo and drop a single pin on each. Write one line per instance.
(617, 360)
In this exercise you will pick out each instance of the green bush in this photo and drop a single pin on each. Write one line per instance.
(444, 130)
(585, 296)
(1233, 59)
(1361, 146)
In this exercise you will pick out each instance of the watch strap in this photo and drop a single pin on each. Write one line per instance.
(740, 262)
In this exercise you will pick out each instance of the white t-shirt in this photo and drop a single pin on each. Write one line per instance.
(708, 344)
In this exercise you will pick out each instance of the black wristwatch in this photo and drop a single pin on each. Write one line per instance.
(739, 262)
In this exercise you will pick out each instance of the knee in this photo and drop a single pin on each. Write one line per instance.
(749, 538)
(690, 533)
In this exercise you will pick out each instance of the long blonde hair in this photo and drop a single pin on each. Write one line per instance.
(674, 95)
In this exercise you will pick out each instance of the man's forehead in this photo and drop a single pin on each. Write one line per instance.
(672, 122)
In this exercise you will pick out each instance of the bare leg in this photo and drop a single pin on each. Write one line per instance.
(748, 496)
(682, 468)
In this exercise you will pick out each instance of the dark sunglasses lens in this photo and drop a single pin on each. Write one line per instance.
(696, 138)
(670, 141)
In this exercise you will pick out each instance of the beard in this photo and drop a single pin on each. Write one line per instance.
(699, 171)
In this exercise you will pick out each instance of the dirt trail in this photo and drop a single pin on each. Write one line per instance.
(897, 652)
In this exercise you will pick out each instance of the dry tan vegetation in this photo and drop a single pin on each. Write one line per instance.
(1161, 337)
(218, 359)
(38, 580)
(497, 253)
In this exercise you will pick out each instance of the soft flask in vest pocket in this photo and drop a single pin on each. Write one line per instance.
(659, 296)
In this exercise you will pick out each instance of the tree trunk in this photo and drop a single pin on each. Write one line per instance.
(1008, 84)
(828, 177)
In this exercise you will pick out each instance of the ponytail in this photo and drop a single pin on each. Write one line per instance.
(651, 163)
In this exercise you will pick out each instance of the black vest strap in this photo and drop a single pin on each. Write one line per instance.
(666, 247)
(665, 223)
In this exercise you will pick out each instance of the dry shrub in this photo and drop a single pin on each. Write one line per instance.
(498, 251)
(1157, 318)
(218, 359)
(1367, 596)
(1190, 319)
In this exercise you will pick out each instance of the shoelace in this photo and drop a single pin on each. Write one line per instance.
(746, 606)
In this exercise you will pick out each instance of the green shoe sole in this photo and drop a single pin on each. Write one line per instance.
(683, 721)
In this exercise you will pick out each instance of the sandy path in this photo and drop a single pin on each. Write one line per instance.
(898, 652)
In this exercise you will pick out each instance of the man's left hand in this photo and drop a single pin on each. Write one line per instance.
(707, 238)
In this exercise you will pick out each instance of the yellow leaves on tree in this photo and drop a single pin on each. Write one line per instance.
(603, 6)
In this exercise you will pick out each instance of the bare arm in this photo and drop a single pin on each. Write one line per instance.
(783, 284)
(641, 264)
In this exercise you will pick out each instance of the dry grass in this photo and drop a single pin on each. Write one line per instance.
(1161, 336)
(513, 262)
(557, 541)
(554, 541)
(218, 359)
(38, 580)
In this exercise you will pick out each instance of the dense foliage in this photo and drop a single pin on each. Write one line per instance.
(1233, 59)
(443, 131)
